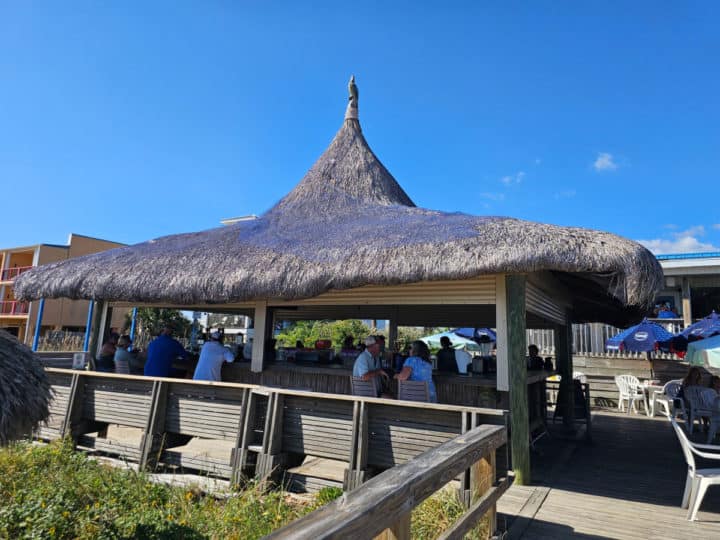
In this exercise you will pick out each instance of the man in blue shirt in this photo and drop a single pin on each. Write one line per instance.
(161, 353)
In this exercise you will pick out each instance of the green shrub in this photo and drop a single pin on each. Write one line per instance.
(53, 492)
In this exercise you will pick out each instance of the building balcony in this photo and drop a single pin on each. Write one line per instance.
(10, 274)
(14, 307)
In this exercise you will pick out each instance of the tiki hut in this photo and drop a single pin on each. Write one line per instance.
(24, 390)
(348, 242)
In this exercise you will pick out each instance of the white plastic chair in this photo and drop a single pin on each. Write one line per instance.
(580, 376)
(698, 480)
(630, 389)
(666, 398)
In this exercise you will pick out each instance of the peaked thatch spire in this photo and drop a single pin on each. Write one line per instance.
(348, 223)
(351, 113)
(24, 390)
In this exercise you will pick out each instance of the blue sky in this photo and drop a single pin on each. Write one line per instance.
(131, 120)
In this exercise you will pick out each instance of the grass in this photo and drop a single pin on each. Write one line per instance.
(51, 491)
(437, 513)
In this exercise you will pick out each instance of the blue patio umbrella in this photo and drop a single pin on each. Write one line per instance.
(476, 334)
(706, 327)
(644, 337)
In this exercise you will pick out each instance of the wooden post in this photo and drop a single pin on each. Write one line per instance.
(501, 325)
(686, 303)
(517, 374)
(97, 328)
(258, 349)
(399, 531)
(563, 356)
(392, 332)
(482, 478)
(247, 435)
(357, 468)
(236, 454)
(151, 444)
(269, 458)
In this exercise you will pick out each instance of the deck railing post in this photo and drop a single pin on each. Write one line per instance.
(399, 531)
(151, 444)
(236, 457)
(269, 458)
(356, 472)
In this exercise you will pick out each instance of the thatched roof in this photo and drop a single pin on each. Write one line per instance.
(348, 223)
(24, 390)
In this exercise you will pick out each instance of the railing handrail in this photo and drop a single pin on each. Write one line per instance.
(14, 310)
(11, 273)
(286, 391)
(378, 503)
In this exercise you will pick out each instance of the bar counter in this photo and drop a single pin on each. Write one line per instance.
(475, 390)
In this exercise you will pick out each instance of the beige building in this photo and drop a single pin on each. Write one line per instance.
(19, 318)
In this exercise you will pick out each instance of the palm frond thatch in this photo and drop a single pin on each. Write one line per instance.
(24, 390)
(348, 223)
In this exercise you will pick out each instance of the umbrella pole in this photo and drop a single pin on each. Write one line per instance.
(650, 359)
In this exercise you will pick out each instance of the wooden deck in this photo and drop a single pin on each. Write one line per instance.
(627, 484)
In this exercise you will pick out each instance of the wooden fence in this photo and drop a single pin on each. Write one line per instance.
(251, 429)
(382, 506)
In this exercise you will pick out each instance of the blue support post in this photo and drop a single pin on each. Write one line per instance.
(133, 321)
(36, 337)
(88, 326)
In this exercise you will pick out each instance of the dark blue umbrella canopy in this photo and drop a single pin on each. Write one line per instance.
(643, 337)
(476, 334)
(706, 327)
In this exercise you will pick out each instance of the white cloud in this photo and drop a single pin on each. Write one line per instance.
(716, 226)
(604, 162)
(493, 196)
(567, 194)
(514, 179)
(681, 242)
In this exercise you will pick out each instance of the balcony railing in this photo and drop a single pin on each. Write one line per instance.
(13, 307)
(11, 273)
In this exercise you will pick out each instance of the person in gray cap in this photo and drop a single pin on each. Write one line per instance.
(212, 356)
(367, 366)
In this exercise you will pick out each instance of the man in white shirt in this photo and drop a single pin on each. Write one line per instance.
(367, 366)
(463, 360)
(212, 356)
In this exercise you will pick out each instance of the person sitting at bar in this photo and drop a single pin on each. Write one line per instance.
(534, 360)
(367, 367)
(105, 360)
(446, 356)
(419, 367)
(212, 356)
(124, 360)
(161, 354)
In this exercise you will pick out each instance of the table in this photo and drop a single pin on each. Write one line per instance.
(651, 390)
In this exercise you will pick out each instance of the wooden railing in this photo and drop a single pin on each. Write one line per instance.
(260, 430)
(383, 504)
